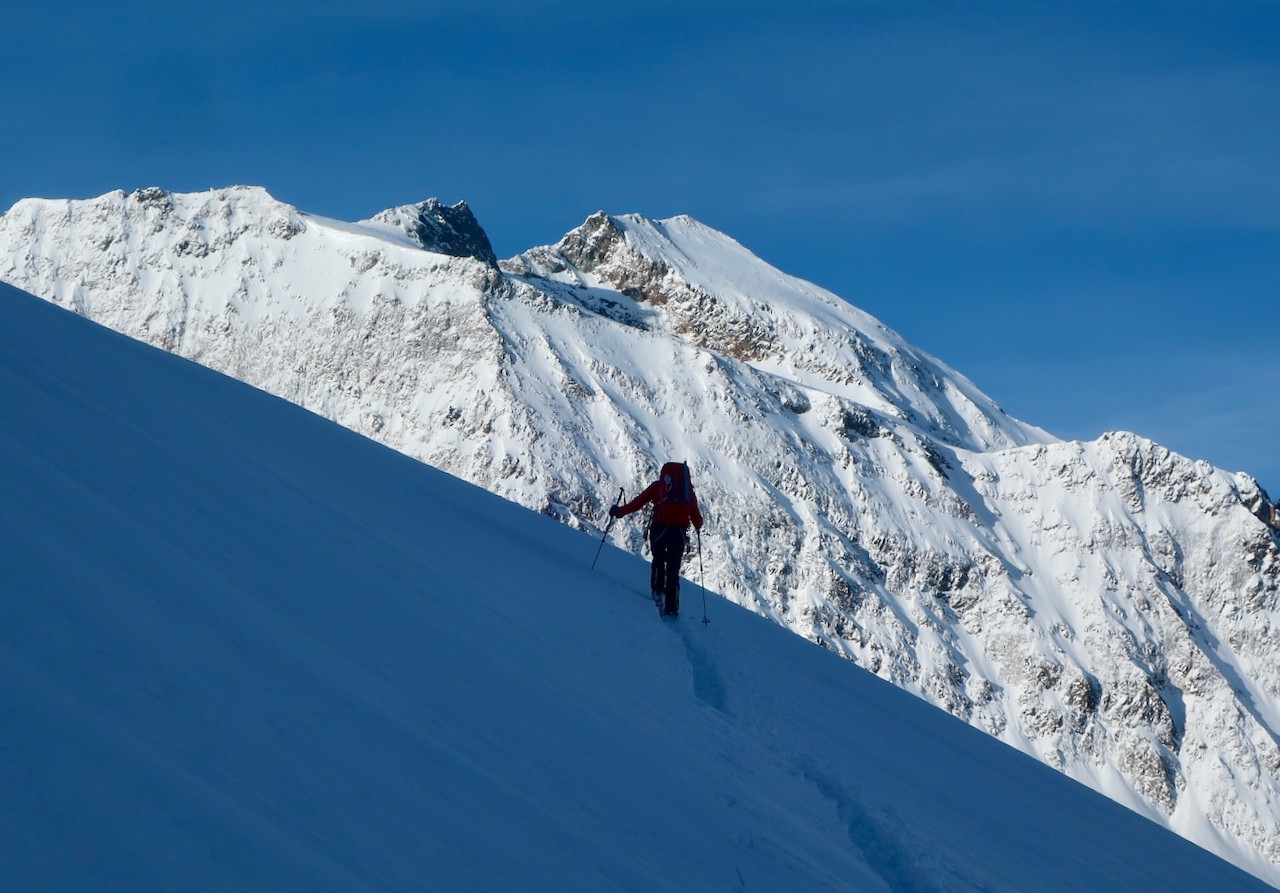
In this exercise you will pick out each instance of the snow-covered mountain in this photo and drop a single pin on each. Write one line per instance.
(1107, 607)
(247, 650)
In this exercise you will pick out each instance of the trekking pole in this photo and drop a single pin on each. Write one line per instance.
(606, 531)
(701, 579)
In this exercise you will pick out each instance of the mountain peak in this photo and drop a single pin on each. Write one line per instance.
(593, 243)
(444, 229)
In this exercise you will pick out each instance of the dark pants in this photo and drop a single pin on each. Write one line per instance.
(667, 543)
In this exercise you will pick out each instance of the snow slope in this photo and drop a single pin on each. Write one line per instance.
(1108, 607)
(247, 649)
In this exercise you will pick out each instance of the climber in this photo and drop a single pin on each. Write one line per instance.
(675, 506)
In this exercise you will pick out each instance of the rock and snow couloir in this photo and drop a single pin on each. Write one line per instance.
(1109, 607)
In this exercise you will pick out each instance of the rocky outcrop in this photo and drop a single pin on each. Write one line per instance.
(445, 229)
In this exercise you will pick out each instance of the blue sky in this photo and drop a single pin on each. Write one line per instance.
(1076, 205)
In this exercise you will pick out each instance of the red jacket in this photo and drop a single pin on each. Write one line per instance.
(665, 509)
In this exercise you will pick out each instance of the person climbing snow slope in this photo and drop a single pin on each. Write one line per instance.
(675, 507)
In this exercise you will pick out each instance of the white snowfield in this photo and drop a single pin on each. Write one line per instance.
(245, 649)
(1108, 607)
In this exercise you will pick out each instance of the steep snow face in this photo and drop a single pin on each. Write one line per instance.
(1108, 607)
(1141, 633)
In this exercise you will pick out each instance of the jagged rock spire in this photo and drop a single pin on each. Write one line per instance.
(445, 229)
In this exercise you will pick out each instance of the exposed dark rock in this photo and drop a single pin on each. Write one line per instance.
(444, 229)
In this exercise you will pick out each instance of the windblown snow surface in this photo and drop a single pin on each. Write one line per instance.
(246, 649)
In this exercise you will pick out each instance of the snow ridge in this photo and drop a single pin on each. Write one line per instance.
(1108, 607)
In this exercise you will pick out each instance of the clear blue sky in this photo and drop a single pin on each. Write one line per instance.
(1076, 205)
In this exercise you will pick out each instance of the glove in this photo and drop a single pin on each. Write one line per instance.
(613, 511)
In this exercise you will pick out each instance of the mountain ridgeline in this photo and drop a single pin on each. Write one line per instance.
(1109, 607)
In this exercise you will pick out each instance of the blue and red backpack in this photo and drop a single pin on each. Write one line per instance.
(674, 483)
(676, 502)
